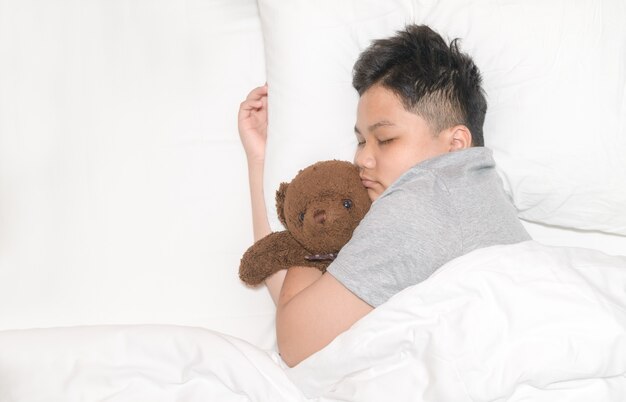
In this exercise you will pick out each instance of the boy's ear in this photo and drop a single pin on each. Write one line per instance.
(280, 202)
(460, 137)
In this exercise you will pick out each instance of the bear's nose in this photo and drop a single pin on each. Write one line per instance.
(320, 216)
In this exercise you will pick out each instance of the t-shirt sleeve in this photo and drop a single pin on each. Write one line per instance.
(407, 234)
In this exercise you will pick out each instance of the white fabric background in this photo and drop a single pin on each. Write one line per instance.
(123, 187)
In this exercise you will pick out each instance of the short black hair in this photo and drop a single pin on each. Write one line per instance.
(433, 79)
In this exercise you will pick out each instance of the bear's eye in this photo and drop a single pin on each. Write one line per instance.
(301, 217)
(347, 204)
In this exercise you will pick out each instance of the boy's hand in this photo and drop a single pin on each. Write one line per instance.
(252, 122)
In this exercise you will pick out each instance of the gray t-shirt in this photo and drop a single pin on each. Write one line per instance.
(440, 209)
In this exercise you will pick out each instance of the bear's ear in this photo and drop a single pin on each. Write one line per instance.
(280, 203)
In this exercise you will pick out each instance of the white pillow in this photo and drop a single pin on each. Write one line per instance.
(310, 47)
(554, 73)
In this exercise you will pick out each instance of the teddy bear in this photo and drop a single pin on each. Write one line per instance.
(319, 208)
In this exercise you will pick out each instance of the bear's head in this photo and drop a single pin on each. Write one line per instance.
(322, 205)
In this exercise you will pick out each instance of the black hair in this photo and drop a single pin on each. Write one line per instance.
(433, 79)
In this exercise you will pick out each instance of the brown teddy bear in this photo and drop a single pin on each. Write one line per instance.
(320, 209)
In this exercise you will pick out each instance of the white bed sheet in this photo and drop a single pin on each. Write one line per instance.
(558, 236)
(123, 184)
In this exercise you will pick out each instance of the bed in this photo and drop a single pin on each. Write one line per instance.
(124, 207)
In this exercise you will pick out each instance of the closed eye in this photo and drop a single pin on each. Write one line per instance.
(384, 142)
(360, 141)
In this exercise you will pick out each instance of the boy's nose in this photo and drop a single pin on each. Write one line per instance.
(364, 159)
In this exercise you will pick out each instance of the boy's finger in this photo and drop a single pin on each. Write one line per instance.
(251, 104)
(258, 92)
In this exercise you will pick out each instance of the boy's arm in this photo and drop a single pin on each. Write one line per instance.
(260, 224)
(252, 125)
(313, 308)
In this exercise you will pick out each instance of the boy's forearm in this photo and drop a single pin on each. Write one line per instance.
(260, 223)
(312, 310)
(274, 284)
(296, 280)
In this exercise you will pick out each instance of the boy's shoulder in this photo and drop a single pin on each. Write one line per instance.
(447, 169)
(465, 159)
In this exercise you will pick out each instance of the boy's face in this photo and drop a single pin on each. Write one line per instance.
(391, 140)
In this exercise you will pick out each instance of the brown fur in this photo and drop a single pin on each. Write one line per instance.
(318, 193)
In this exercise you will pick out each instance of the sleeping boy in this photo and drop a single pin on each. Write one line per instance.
(437, 196)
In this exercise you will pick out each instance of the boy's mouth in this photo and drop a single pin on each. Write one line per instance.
(367, 182)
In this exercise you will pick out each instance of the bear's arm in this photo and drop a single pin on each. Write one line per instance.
(276, 251)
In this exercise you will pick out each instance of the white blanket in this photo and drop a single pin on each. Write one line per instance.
(137, 364)
(508, 323)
